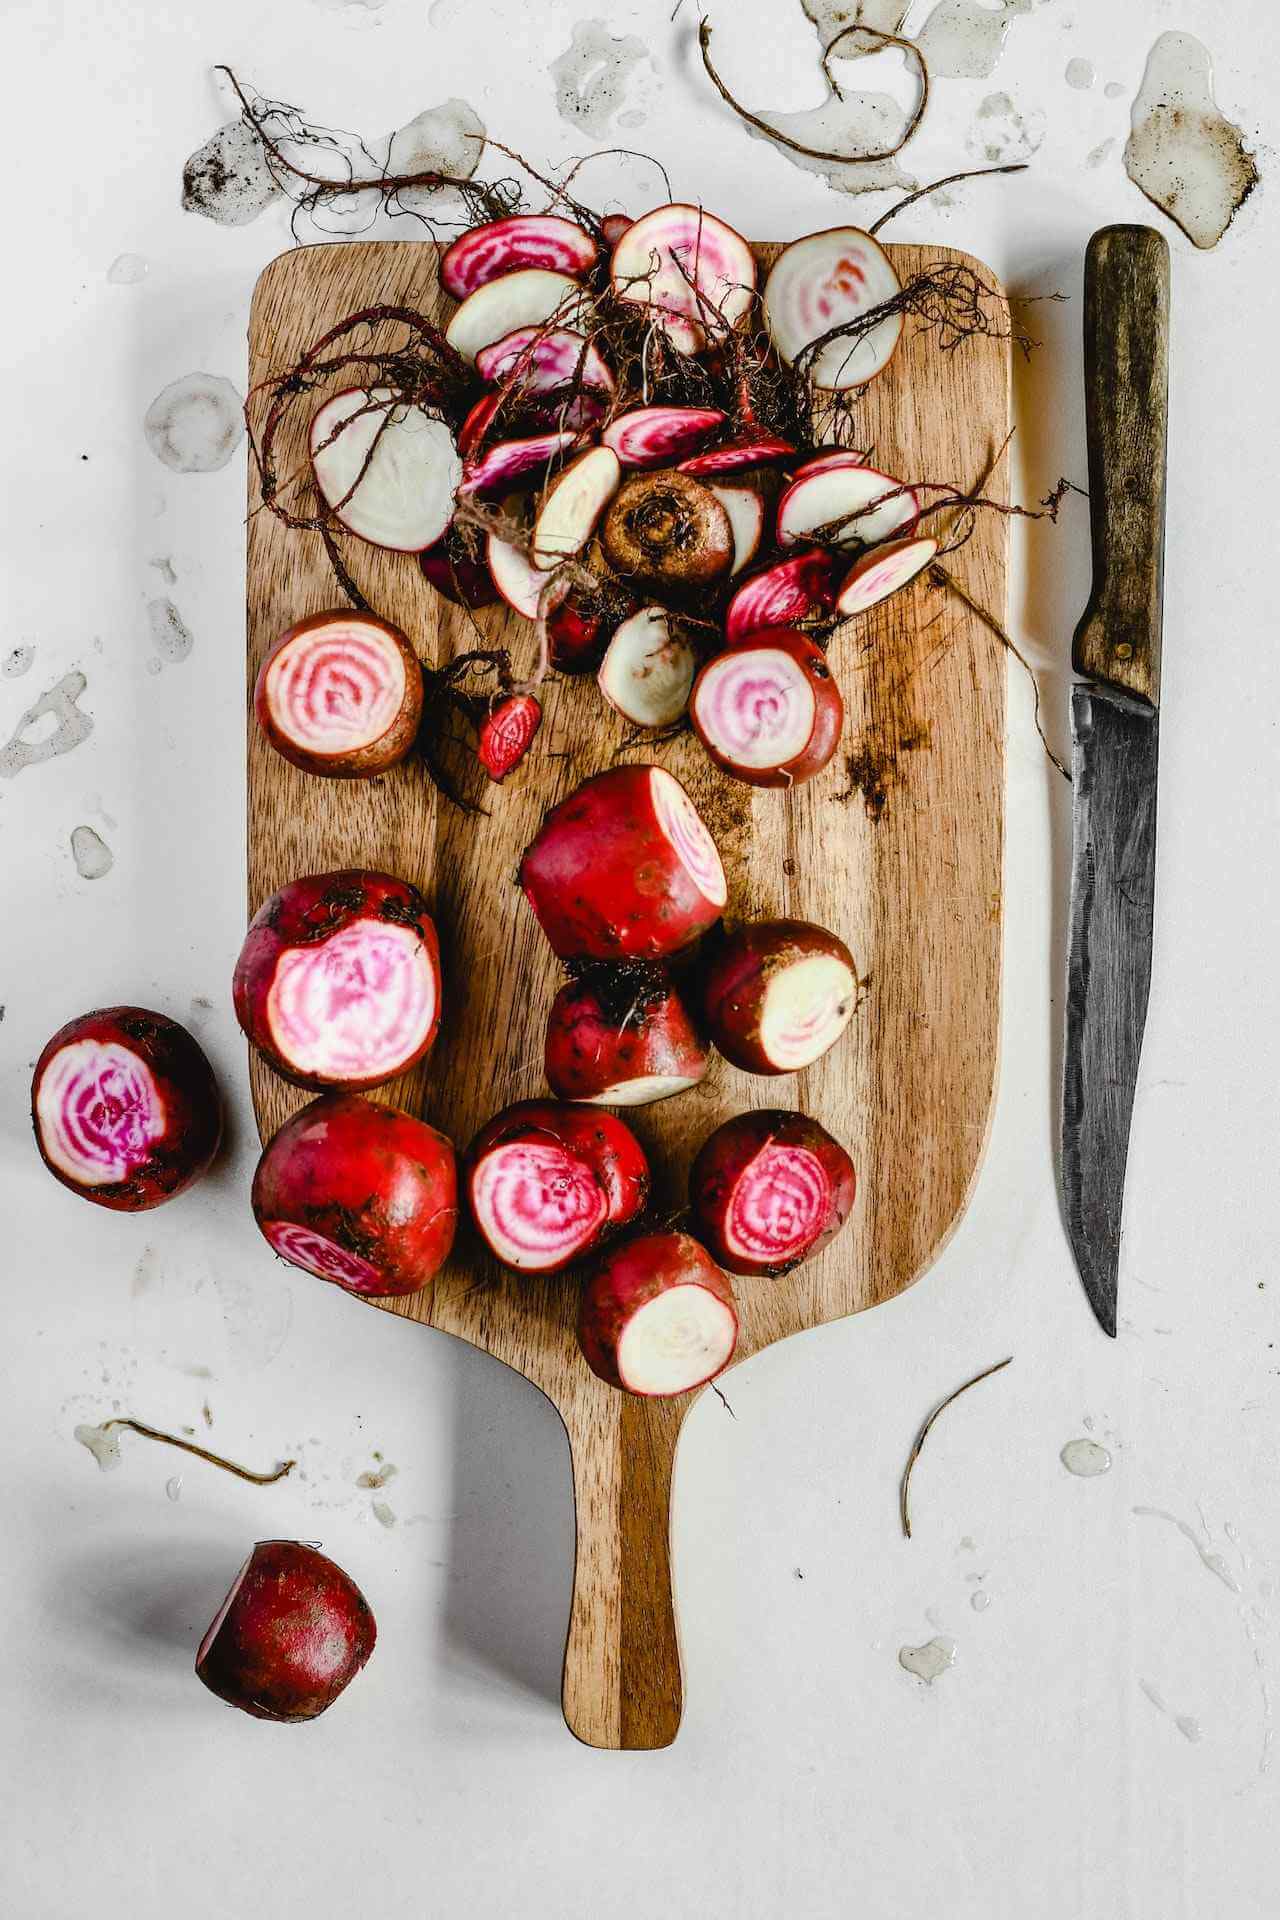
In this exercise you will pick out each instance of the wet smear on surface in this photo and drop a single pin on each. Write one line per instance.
(1000, 133)
(1085, 1458)
(853, 122)
(443, 13)
(1212, 1562)
(1081, 74)
(1113, 89)
(103, 1443)
(378, 1477)
(592, 74)
(170, 635)
(980, 1602)
(92, 855)
(1188, 1726)
(173, 1487)
(929, 1661)
(17, 661)
(71, 727)
(164, 567)
(1186, 156)
(127, 269)
(963, 40)
(1102, 152)
(195, 424)
(383, 1514)
(445, 139)
(228, 179)
(830, 17)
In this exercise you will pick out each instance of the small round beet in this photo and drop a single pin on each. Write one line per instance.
(665, 532)
(125, 1108)
(546, 1183)
(768, 710)
(293, 1632)
(778, 994)
(338, 980)
(360, 1194)
(658, 1317)
(768, 1189)
(340, 695)
(622, 1036)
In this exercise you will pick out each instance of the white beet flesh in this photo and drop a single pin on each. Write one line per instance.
(536, 1204)
(854, 505)
(660, 254)
(573, 504)
(643, 1091)
(648, 671)
(756, 707)
(745, 508)
(336, 688)
(805, 1009)
(882, 572)
(683, 826)
(388, 472)
(677, 1340)
(531, 297)
(355, 1006)
(827, 280)
(514, 575)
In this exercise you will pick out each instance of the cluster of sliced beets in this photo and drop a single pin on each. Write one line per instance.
(675, 509)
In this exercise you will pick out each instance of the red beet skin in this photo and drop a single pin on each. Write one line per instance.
(768, 1189)
(736, 726)
(624, 869)
(338, 982)
(360, 1194)
(291, 1634)
(546, 1183)
(622, 1035)
(125, 1108)
(632, 1278)
(753, 967)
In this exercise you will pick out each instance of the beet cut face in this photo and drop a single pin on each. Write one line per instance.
(500, 247)
(291, 1635)
(768, 710)
(825, 281)
(768, 1189)
(387, 471)
(545, 1183)
(787, 594)
(658, 1317)
(778, 994)
(340, 695)
(695, 274)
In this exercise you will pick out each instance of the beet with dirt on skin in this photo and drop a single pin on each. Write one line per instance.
(658, 1317)
(624, 869)
(507, 734)
(666, 533)
(340, 695)
(768, 1190)
(622, 1036)
(292, 1633)
(546, 1183)
(359, 1193)
(338, 980)
(768, 710)
(777, 995)
(125, 1108)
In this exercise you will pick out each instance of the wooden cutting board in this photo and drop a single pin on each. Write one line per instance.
(896, 846)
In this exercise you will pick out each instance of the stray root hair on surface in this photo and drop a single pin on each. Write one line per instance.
(130, 1425)
(904, 1491)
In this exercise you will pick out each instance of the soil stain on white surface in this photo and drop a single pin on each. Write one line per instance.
(930, 1661)
(593, 73)
(103, 1443)
(228, 179)
(1085, 1458)
(1102, 152)
(1186, 156)
(1000, 134)
(170, 635)
(18, 661)
(92, 855)
(195, 424)
(69, 729)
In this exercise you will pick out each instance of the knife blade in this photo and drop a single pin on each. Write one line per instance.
(1115, 742)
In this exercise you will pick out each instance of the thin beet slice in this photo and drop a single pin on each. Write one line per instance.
(821, 283)
(531, 297)
(660, 436)
(768, 1190)
(766, 451)
(648, 669)
(658, 1317)
(784, 595)
(387, 472)
(745, 508)
(572, 505)
(477, 422)
(768, 709)
(501, 247)
(340, 695)
(360, 1194)
(508, 733)
(882, 571)
(778, 994)
(546, 1183)
(338, 981)
(125, 1108)
(845, 505)
(695, 274)
(455, 572)
(622, 1036)
(509, 464)
(544, 359)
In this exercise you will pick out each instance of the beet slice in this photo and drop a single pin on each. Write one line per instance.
(745, 508)
(360, 1194)
(783, 595)
(531, 297)
(578, 627)
(845, 505)
(291, 1635)
(695, 274)
(338, 980)
(500, 247)
(622, 1036)
(387, 472)
(572, 505)
(507, 734)
(125, 1108)
(765, 451)
(518, 581)
(768, 709)
(546, 1183)
(828, 280)
(658, 1317)
(477, 422)
(648, 670)
(768, 1190)
(515, 463)
(543, 360)
(778, 994)
(666, 533)
(456, 573)
(882, 571)
(340, 695)
(660, 436)
(624, 869)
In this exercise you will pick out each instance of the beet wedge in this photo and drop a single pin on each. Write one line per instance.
(768, 1190)
(546, 1183)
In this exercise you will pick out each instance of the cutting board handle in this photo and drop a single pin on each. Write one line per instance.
(622, 1674)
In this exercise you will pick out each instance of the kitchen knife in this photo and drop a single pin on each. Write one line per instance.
(1115, 740)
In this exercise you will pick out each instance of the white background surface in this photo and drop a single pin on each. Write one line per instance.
(812, 1775)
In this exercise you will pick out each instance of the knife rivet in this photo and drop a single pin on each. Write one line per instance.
(1124, 651)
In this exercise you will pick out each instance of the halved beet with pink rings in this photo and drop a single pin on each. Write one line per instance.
(338, 980)
(777, 994)
(623, 1036)
(125, 1108)
(784, 595)
(624, 869)
(359, 1193)
(658, 1317)
(340, 695)
(660, 436)
(768, 1189)
(504, 246)
(546, 1183)
(768, 709)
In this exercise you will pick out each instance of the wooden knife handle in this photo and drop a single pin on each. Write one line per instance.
(1126, 373)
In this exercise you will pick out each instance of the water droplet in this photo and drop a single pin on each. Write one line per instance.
(170, 635)
(92, 855)
(1081, 74)
(929, 1661)
(1187, 158)
(980, 1602)
(1085, 1458)
(173, 1487)
(17, 661)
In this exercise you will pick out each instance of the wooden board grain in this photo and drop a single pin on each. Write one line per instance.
(897, 846)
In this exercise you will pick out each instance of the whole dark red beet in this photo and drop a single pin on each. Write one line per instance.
(360, 1194)
(291, 1634)
(125, 1108)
